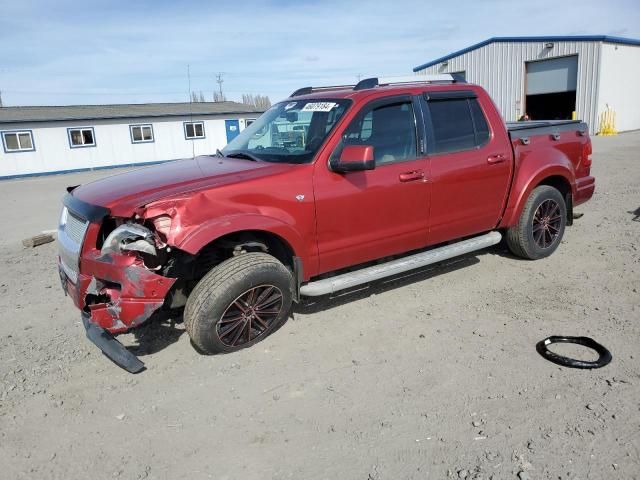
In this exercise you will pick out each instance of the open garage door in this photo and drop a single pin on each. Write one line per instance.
(551, 88)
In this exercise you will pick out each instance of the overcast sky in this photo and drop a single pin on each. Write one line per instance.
(63, 52)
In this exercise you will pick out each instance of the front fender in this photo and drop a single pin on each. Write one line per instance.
(216, 228)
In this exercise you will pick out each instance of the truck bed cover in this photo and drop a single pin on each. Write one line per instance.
(545, 127)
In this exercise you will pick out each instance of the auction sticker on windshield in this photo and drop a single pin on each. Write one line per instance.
(318, 107)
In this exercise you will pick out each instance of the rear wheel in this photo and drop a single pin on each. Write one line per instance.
(238, 303)
(541, 225)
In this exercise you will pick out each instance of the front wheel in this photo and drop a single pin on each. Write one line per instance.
(541, 225)
(238, 303)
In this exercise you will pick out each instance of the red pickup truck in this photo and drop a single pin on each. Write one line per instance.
(307, 200)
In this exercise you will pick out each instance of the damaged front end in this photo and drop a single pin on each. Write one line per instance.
(115, 271)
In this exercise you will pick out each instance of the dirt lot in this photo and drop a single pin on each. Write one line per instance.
(428, 376)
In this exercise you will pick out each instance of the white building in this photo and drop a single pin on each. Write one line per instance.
(47, 140)
(552, 77)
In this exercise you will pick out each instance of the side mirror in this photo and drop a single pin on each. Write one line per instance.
(292, 117)
(354, 158)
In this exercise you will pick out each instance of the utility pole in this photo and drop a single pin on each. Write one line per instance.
(219, 81)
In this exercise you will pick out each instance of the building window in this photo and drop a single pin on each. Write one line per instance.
(141, 133)
(81, 137)
(21, 141)
(249, 121)
(193, 130)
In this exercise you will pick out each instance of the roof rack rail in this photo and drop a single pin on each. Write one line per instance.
(307, 90)
(438, 78)
(377, 81)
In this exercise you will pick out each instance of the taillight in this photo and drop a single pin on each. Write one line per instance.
(586, 154)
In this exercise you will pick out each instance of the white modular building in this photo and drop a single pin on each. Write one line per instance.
(589, 77)
(57, 139)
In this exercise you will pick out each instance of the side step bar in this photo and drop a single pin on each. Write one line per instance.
(352, 279)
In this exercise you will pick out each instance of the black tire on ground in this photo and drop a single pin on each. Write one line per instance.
(238, 303)
(541, 225)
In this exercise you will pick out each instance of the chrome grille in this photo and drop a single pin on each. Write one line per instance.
(75, 227)
(71, 231)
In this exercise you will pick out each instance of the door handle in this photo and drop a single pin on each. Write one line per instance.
(497, 158)
(411, 176)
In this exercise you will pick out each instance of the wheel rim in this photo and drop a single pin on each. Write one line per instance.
(250, 315)
(547, 221)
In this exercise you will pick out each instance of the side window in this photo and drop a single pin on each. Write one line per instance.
(458, 124)
(452, 125)
(480, 123)
(390, 129)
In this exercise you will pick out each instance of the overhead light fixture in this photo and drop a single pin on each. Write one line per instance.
(548, 45)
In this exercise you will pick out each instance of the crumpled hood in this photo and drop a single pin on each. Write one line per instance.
(124, 192)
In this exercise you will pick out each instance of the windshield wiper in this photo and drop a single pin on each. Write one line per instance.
(245, 155)
(219, 153)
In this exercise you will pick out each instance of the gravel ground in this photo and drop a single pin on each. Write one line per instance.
(434, 375)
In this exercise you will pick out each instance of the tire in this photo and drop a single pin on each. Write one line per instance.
(540, 228)
(238, 303)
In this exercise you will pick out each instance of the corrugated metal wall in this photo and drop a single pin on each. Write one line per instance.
(500, 68)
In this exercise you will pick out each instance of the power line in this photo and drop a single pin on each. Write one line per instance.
(114, 92)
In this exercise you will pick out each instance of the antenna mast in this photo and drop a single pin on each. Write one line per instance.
(193, 146)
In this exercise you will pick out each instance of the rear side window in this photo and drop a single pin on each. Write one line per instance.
(458, 124)
(479, 122)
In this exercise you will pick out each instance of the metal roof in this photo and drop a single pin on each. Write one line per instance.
(114, 111)
(558, 38)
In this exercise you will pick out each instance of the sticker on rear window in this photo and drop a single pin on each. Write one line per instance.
(318, 107)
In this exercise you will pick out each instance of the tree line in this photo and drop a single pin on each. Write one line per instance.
(258, 101)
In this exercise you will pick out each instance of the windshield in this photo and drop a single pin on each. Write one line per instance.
(289, 132)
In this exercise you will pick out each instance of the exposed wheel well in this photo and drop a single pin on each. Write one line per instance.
(190, 269)
(237, 243)
(559, 183)
(564, 187)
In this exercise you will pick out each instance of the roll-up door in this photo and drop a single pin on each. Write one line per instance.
(551, 88)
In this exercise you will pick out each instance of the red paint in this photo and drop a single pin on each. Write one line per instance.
(134, 292)
(330, 220)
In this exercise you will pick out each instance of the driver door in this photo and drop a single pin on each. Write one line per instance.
(366, 215)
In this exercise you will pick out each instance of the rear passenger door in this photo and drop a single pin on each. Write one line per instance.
(470, 164)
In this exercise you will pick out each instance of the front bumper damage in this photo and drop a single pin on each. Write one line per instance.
(115, 293)
(132, 291)
(130, 294)
(111, 347)
(118, 293)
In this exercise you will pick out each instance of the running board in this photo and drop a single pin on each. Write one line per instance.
(352, 279)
